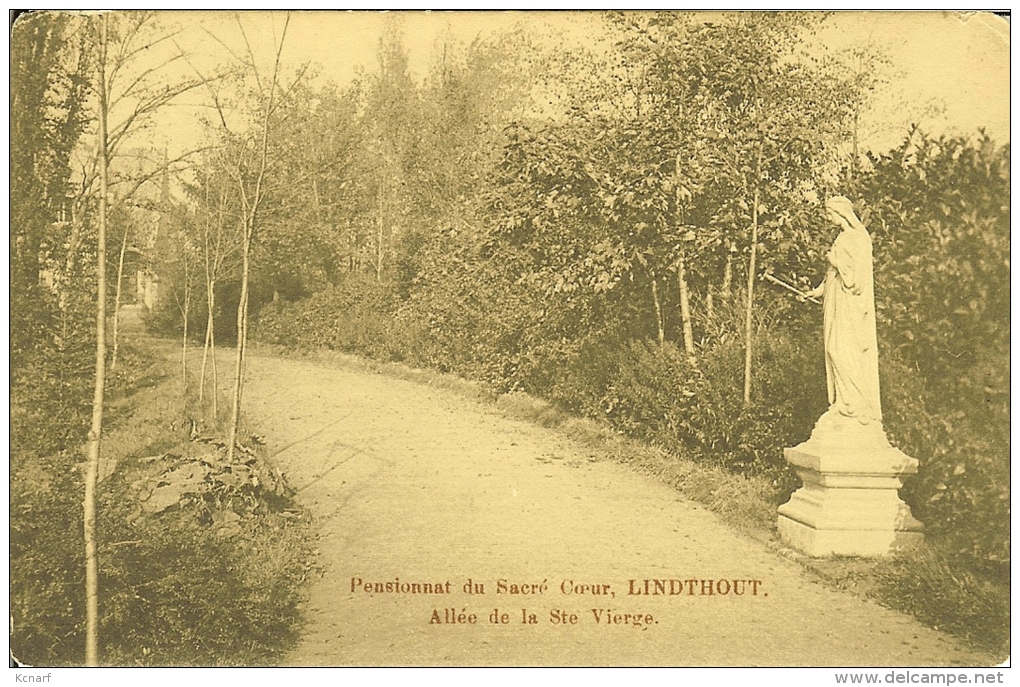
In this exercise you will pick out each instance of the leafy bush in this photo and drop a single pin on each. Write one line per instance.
(52, 368)
(52, 360)
(938, 210)
(180, 593)
(654, 392)
(961, 491)
(353, 316)
(47, 561)
(468, 313)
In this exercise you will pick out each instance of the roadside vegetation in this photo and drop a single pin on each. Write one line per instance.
(139, 534)
(204, 560)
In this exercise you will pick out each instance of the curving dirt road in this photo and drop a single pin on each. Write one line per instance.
(419, 483)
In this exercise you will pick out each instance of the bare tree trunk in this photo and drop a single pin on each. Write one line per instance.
(212, 350)
(748, 320)
(208, 347)
(209, 352)
(251, 210)
(727, 282)
(244, 338)
(116, 302)
(685, 308)
(96, 428)
(855, 161)
(379, 238)
(211, 267)
(205, 363)
(681, 275)
(184, 342)
(658, 310)
(242, 317)
(184, 312)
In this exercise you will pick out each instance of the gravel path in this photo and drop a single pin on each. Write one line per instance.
(418, 483)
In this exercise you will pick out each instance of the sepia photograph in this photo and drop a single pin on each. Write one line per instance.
(514, 339)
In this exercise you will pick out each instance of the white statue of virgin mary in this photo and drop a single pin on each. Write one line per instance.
(851, 346)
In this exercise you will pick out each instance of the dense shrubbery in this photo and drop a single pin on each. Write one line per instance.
(939, 213)
(52, 358)
(654, 392)
(467, 315)
(182, 593)
(938, 591)
(47, 560)
(354, 316)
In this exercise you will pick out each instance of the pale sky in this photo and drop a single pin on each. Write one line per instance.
(960, 61)
(341, 41)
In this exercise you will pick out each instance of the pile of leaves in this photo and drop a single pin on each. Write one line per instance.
(208, 558)
(197, 477)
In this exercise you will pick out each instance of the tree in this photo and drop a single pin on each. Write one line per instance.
(96, 429)
(249, 166)
(771, 124)
(393, 116)
(692, 138)
(859, 73)
(118, 293)
(49, 90)
(183, 299)
(217, 247)
(124, 77)
(320, 188)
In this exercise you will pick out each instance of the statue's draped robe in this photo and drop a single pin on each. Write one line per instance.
(851, 347)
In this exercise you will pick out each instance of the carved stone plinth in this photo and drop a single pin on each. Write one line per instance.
(849, 503)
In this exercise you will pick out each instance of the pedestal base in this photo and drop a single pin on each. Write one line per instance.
(849, 504)
(819, 543)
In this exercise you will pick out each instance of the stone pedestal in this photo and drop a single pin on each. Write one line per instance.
(849, 504)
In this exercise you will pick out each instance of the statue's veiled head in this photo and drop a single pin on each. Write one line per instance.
(840, 211)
